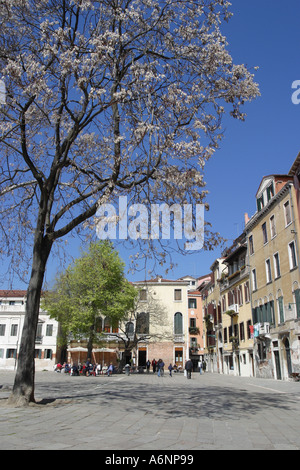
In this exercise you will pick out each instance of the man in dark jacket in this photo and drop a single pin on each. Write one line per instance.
(189, 368)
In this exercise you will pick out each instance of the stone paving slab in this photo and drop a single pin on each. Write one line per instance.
(146, 412)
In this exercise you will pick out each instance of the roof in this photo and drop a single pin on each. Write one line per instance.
(277, 178)
(295, 165)
(13, 293)
(270, 204)
(159, 280)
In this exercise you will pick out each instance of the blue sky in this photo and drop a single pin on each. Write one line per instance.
(266, 34)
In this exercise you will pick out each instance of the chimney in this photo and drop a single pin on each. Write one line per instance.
(247, 218)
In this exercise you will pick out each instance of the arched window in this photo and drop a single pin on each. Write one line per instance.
(178, 329)
(142, 323)
(110, 326)
(129, 328)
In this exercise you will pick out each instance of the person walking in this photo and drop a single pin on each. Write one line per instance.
(170, 369)
(189, 368)
(200, 367)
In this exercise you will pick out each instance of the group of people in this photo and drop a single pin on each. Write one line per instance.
(159, 367)
(87, 368)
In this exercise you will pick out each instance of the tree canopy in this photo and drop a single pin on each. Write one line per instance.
(104, 98)
(93, 287)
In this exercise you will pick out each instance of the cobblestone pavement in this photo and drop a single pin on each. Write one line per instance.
(146, 412)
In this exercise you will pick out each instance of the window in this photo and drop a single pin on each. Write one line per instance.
(49, 330)
(262, 352)
(265, 233)
(268, 271)
(143, 295)
(142, 323)
(12, 302)
(249, 329)
(242, 331)
(280, 309)
(110, 326)
(254, 280)
(11, 354)
(2, 330)
(192, 322)
(240, 295)
(270, 192)
(177, 294)
(297, 299)
(260, 203)
(225, 335)
(129, 329)
(224, 303)
(292, 255)
(48, 354)
(287, 213)
(276, 265)
(251, 245)
(178, 329)
(247, 292)
(272, 226)
(14, 330)
(192, 303)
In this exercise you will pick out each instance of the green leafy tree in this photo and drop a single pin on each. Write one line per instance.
(94, 286)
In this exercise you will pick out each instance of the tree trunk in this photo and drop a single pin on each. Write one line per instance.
(23, 390)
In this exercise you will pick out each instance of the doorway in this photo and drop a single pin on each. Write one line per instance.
(277, 365)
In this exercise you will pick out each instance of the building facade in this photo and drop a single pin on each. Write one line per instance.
(237, 329)
(166, 302)
(273, 244)
(12, 313)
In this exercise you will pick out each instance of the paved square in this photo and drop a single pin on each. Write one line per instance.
(139, 412)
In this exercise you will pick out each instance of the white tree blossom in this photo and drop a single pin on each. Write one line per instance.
(105, 98)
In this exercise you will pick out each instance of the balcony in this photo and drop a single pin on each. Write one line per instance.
(178, 338)
(194, 330)
(233, 310)
(211, 340)
(264, 329)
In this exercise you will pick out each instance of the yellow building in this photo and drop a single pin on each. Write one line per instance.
(237, 332)
(272, 235)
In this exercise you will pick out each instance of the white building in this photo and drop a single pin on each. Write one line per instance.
(12, 313)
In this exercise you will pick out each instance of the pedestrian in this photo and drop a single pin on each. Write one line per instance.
(148, 364)
(162, 366)
(170, 369)
(204, 366)
(127, 369)
(110, 369)
(154, 365)
(158, 368)
(200, 367)
(87, 367)
(189, 368)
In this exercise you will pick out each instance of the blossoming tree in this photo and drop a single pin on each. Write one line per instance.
(104, 98)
